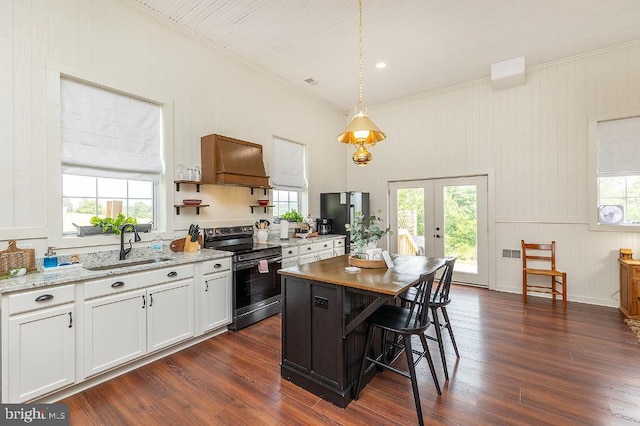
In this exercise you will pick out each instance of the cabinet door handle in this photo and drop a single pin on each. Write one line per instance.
(172, 274)
(207, 286)
(70, 320)
(151, 300)
(217, 266)
(44, 297)
(308, 248)
(144, 301)
(117, 284)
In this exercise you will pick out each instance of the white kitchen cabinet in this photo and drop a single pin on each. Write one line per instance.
(216, 294)
(115, 330)
(216, 301)
(169, 314)
(41, 356)
(38, 342)
(314, 257)
(317, 251)
(289, 257)
(121, 325)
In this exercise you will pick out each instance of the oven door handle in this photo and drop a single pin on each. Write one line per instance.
(254, 263)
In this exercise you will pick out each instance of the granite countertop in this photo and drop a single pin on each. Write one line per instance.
(75, 273)
(302, 241)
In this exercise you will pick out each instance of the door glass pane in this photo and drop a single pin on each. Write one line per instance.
(461, 226)
(411, 221)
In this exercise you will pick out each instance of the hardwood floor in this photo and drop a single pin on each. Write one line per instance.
(519, 365)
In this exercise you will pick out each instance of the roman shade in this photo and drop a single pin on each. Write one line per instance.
(619, 147)
(287, 170)
(108, 134)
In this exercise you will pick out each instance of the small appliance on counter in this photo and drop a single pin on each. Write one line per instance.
(323, 225)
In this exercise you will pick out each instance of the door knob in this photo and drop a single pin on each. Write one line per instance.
(437, 236)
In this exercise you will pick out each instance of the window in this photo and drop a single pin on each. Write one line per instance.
(288, 176)
(618, 171)
(284, 201)
(85, 196)
(110, 154)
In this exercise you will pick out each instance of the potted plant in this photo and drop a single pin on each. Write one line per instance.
(109, 225)
(364, 232)
(292, 217)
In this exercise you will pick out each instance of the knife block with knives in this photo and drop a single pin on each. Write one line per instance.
(190, 243)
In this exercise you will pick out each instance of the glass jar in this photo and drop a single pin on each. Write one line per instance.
(197, 174)
(182, 172)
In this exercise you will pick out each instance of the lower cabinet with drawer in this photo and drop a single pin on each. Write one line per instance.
(39, 344)
(123, 322)
(315, 251)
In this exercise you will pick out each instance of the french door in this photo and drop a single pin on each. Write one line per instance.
(443, 218)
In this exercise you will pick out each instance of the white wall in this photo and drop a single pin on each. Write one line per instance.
(534, 140)
(116, 44)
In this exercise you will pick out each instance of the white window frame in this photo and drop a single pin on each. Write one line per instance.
(594, 224)
(165, 218)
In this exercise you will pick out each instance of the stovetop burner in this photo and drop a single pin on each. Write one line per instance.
(239, 240)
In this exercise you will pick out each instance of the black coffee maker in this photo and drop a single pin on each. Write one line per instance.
(323, 226)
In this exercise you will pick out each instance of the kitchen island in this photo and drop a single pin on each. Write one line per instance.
(323, 319)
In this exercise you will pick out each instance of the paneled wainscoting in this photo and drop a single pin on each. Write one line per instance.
(519, 365)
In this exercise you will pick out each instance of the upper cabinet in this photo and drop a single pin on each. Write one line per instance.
(228, 161)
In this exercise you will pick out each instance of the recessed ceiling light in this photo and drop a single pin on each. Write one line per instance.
(381, 65)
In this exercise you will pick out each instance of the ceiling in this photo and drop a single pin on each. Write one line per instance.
(427, 44)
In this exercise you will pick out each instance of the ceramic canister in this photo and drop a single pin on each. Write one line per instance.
(262, 235)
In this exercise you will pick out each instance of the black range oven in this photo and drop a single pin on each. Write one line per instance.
(256, 284)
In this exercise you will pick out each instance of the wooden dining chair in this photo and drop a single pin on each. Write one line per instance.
(534, 257)
(406, 322)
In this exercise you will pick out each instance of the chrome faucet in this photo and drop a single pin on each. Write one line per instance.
(124, 252)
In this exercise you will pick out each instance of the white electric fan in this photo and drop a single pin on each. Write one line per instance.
(610, 214)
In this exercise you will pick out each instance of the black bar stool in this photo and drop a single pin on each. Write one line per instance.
(438, 301)
(404, 322)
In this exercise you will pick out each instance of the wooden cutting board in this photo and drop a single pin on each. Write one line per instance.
(178, 245)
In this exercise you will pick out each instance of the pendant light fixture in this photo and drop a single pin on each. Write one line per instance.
(361, 132)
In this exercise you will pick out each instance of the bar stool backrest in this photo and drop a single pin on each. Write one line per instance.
(441, 293)
(418, 318)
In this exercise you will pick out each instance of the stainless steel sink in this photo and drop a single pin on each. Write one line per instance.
(126, 264)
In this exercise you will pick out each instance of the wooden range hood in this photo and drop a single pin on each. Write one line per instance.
(228, 161)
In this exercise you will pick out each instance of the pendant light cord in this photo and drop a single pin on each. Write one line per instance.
(360, 28)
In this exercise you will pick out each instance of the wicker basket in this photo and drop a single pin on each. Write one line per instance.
(13, 257)
(368, 264)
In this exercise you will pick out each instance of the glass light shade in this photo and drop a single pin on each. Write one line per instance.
(362, 157)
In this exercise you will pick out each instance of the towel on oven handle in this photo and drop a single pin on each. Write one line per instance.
(263, 266)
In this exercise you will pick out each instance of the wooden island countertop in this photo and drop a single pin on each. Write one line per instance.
(388, 281)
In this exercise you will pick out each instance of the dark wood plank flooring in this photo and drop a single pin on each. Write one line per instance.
(520, 364)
